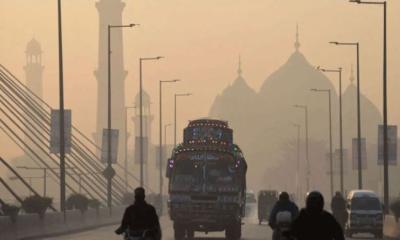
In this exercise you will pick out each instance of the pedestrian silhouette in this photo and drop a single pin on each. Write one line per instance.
(338, 206)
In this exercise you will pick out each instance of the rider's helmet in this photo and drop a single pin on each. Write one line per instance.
(283, 196)
(140, 194)
(338, 194)
(315, 202)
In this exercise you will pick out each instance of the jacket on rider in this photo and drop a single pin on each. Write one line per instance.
(140, 217)
(315, 223)
(283, 204)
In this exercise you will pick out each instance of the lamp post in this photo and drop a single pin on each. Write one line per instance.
(141, 114)
(176, 96)
(61, 104)
(298, 160)
(330, 134)
(160, 140)
(385, 139)
(109, 170)
(339, 71)
(305, 108)
(359, 160)
(126, 147)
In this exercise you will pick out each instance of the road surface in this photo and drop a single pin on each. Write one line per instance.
(251, 230)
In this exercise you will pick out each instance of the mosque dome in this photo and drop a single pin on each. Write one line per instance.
(146, 98)
(232, 98)
(33, 47)
(370, 115)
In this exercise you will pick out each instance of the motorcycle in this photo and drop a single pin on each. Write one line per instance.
(283, 221)
(147, 234)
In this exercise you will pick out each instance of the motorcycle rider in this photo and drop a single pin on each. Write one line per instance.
(140, 219)
(314, 222)
(282, 205)
(338, 206)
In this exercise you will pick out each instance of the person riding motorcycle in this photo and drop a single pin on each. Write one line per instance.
(140, 220)
(314, 222)
(283, 212)
(338, 206)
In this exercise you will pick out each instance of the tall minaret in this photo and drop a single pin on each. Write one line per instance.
(34, 68)
(110, 13)
(297, 43)
(147, 121)
(351, 78)
(33, 75)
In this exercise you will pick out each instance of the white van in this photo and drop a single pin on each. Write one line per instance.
(365, 213)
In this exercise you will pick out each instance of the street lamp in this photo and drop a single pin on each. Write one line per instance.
(385, 139)
(305, 108)
(357, 45)
(178, 95)
(61, 104)
(339, 71)
(161, 147)
(109, 168)
(330, 133)
(298, 160)
(126, 146)
(141, 114)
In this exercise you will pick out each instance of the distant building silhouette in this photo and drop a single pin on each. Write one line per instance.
(34, 70)
(110, 13)
(34, 67)
(237, 102)
(263, 122)
(370, 118)
(148, 147)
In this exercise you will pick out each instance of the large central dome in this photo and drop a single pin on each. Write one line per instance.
(264, 123)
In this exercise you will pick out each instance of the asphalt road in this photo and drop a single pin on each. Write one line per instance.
(251, 230)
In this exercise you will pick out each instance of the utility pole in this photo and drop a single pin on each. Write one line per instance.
(385, 125)
(141, 114)
(330, 136)
(298, 161)
(61, 96)
(305, 108)
(359, 156)
(160, 138)
(109, 172)
(126, 148)
(339, 72)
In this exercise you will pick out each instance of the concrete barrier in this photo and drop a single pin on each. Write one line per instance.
(30, 226)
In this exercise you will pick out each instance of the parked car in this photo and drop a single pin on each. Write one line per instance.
(365, 213)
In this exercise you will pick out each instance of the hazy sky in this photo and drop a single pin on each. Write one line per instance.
(201, 41)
